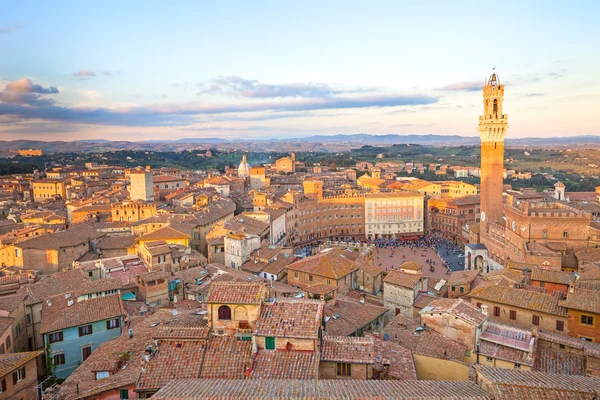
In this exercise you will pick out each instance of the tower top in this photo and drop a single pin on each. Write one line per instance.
(494, 80)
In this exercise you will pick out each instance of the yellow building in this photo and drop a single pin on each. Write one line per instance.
(132, 211)
(456, 188)
(48, 189)
(394, 214)
(30, 152)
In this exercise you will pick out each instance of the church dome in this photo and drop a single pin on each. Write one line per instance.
(244, 168)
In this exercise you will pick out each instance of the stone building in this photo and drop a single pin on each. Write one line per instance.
(448, 216)
(400, 289)
(51, 189)
(141, 185)
(286, 164)
(238, 247)
(258, 178)
(132, 210)
(19, 375)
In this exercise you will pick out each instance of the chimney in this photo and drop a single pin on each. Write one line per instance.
(484, 309)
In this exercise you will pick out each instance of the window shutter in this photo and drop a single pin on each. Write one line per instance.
(4, 385)
(15, 378)
(23, 374)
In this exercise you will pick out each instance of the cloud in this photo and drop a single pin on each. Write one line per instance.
(8, 29)
(533, 94)
(182, 114)
(236, 86)
(464, 86)
(26, 86)
(84, 74)
(25, 92)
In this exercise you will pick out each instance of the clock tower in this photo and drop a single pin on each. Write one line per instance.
(492, 130)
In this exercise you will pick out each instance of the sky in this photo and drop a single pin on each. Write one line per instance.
(141, 70)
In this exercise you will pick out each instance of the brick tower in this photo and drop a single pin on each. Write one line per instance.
(492, 130)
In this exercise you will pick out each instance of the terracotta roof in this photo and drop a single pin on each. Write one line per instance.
(61, 282)
(411, 266)
(505, 353)
(403, 279)
(531, 384)
(462, 277)
(191, 327)
(551, 275)
(561, 362)
(175, 359)
(11, 361)
(82, 382)
(589, 272)
(346, 315)
(226, 357)
(399, 359)
(166, 178)
(235, 293)
(457, 307)
(12, 301)
(74, 236)
(283, 364)
(329, 264)
(285, 389)
(164, 233)
(583, 299)
(589, 348)
(403, 330)
(423, 300)
(291, 318)
(153, 276)
(357, 350)
(58, 315)
(520, 298)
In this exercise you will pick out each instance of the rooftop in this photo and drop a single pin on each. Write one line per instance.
(404, 279)
(285, 389)
(291, 318)
(526, 299)
(235, 293)
(10, 362)
(330, 263)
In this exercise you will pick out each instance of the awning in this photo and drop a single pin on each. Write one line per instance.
(129, 296)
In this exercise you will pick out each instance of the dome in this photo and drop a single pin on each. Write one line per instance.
(244, 168)
(494, 80)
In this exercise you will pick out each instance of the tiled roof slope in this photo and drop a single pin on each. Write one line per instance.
(291, 318)
(226, 357)
(330, 264)
(319, 389)
(536, 301)
(80, 313)
(235, 293)
(11, 361)
(283, 364)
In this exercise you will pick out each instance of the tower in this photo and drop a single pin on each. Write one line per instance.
(244, 168)
(492, 131)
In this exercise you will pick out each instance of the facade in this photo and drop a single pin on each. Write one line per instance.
(141, 185)
(395, 214)
(286, 164)
(448, 216)
(75, 329)
(493, 125)
(238, 247)
(258, 178)
(50, 189)
(19, 374)
(132, 211)
(168, 182)
(400, 289)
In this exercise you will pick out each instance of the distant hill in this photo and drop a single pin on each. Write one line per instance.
(336, 142)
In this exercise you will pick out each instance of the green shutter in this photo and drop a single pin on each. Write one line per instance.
(124, 394)
(270, 343)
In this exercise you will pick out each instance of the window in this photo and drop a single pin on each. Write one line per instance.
(496, 311)
(2, 351)
(560, 326)
(462, 289)
(513, 314)
(587, 320)
(124, 394)
(295, 274)
(269, 343)
(101, 375)
(586, 339)
(565, 234)
(58, 359)
(86, 352)
(28, 319)
(478, 305)
(55, 337)
(224, 313)
(112, 324)
(8, 342)
(90, 273)
(85, 330)
(517, 366)
(3, 385)
(344, 369)
(310, 278)
(19, 375)
(489, 359)
(535, 319)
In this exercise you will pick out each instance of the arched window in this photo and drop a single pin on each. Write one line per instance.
(224, 312)
(495, 106)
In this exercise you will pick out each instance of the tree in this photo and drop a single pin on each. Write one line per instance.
(50, 368)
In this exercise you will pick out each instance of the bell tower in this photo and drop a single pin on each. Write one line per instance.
(492, 130)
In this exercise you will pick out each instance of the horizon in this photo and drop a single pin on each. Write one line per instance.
(145, 71)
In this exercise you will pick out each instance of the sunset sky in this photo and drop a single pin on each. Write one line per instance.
(136, 70)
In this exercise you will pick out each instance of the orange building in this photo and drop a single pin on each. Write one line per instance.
(286, 164)
(132, 211)
(492, 130)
